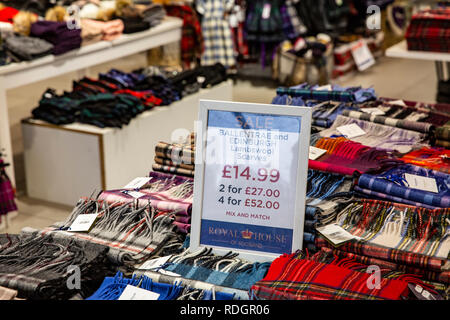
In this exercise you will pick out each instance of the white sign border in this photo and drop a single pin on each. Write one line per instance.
(302, 171)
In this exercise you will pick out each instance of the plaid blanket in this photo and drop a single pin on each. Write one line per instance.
(404, 124)
(430, 158)
(378, 135)
(131, 234)
(295, 277)
(391, 182)
(37, 265)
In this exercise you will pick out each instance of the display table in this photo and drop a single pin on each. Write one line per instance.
(64, 163)
(442, 60)
(19, 74)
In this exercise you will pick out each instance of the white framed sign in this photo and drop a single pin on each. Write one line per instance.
(250, 180)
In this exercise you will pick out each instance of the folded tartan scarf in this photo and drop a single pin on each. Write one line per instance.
(175, 152)
(173, 169)
(166, 192)
(113, 287)
(227, 270)
(397, 226)
(296, 277)
(37, 265)
(345, 156)
(426, 275)
(431, 158)
(169, 162)
(404, 124)
(443, 133)
(131, 234)
(392, 183)
(377, 135)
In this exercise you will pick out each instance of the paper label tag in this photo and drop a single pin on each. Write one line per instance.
(169, 273)
(83, 222)
(134, 194)
(266, 11)
(398, 102)
(135, 293)
(421, 183)
(336, 234)
(233, 21)
(315, 153)
(351, 130)
(362, 55)
(137, 183)
(154, 263)
(374, 111)
(327, 87)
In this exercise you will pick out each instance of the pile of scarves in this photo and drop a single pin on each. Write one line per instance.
(398, 237)
(163, 192)
(227, 271)
(324, 276)
(431, 158)
(443, 135)
(175, 158)
(392, 185)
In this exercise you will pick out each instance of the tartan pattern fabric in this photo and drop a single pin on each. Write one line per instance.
(378, 135)
(387, 183)
(177, 153)
(191, 37)
(217, 38)
(173, 169)
(404, 124)
(430, 158)
(169, 162)
(429, 30)
(297, 23)
(299, 278)
(443, 133)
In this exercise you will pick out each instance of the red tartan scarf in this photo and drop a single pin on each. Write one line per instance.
(294, 278)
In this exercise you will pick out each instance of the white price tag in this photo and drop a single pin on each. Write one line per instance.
(135, 293)
(421, 183)
(327, 87)
(233, 20)
(315, 153)
(137, 183)
(398, 102)
(336, 234)
(266, 11)
(351, 130)
(362, 55)
(374, 111)
(154, 263)
(83, 222)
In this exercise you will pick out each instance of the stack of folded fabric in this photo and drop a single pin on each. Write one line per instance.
(59, 34)
(429, 30)
(398, 237)
(393, 185)
(323, 276)
(431, 158)
(378, 135)
(442, 135)
(38, 266)
(175, 158)
(345, 156)
(165, 192)
(21, 48)
(228, 270)
(326, 194)
(112, 288)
